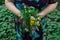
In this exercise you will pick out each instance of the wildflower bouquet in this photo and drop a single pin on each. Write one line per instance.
(29, 19)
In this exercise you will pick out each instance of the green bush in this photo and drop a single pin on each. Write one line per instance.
(7, 29)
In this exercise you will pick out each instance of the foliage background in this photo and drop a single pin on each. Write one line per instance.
(7, 29)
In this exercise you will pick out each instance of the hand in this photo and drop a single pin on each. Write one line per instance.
(20, 18)
(39, 16)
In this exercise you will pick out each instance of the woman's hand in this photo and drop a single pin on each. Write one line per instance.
(39, 16)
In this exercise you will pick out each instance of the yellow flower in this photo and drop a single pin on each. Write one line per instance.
(32, 22)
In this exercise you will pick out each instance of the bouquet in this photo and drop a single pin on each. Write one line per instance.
(29, 19)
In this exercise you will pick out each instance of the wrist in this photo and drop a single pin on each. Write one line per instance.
(41, 14)
(19, 14)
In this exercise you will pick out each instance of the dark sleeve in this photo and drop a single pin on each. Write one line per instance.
(51, 1)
